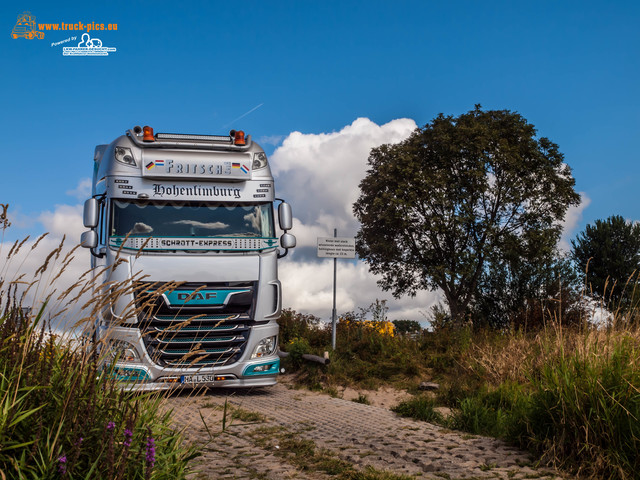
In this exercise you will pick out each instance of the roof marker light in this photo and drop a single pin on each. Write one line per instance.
(147, 134)
(238, 139)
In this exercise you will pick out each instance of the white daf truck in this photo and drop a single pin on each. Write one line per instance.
(182, 231)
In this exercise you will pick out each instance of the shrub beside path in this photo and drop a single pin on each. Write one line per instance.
(361, 435)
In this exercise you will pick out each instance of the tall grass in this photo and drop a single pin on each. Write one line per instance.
(572, 396)
(61, 417)
(586, 404)
(62, 414)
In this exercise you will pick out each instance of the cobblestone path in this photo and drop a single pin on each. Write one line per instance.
(362, 435)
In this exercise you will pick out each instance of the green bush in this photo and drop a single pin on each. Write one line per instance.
(296, 348)
(498, 412)
(368, 357)
(293, 325)
(298, 325)
(421, 408)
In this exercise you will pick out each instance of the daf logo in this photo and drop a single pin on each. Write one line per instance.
(197, 296)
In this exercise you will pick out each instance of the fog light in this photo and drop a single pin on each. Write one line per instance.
(271, 368)
(266, 346)
(125, 374)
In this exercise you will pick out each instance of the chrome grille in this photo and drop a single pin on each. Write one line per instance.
(206, 337)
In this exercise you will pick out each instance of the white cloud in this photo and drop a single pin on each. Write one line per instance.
(308, 288)
(82, 190)
(270, 140)
(319, 174)
(64, 220)
(570, 223)
(54, 280)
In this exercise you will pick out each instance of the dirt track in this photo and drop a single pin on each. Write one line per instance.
(362, 435)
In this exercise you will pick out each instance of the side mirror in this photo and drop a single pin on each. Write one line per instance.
(89, 239)
(285, 217)
(287, 241)
(90, 216)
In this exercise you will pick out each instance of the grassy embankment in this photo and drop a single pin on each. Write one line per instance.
(569, 395)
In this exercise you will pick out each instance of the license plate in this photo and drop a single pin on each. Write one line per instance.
(197, 378)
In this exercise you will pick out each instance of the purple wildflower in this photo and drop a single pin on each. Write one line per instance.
(151, 452)
(62, 464)
(128, 435)
(111, 426)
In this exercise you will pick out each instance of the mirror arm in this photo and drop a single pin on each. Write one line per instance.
(282, 255)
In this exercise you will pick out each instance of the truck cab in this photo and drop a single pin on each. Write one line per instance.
(184, 254)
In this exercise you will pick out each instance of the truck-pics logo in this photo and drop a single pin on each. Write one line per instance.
(26, 27)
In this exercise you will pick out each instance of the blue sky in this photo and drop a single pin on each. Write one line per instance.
(571, 68)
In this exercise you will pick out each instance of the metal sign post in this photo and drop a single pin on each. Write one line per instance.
(334, 315)
(334, 247)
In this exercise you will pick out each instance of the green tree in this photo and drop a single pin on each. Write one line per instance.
(516, 292)
(407, 326)
(460, 193)
(611, 248)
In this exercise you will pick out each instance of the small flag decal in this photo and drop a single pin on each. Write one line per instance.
(150, 165)
(244, 169)
(159, 163)
(235, 165)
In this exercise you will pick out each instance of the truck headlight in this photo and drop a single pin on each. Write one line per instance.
(266, 346)
(124, 155)
(259, 160)
(121, 351)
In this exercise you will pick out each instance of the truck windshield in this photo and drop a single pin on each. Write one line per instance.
(191, 219)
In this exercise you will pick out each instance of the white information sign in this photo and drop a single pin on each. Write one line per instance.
(336, 247)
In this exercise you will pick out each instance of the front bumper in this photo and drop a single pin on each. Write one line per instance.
(144, 374)
(135, 377)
